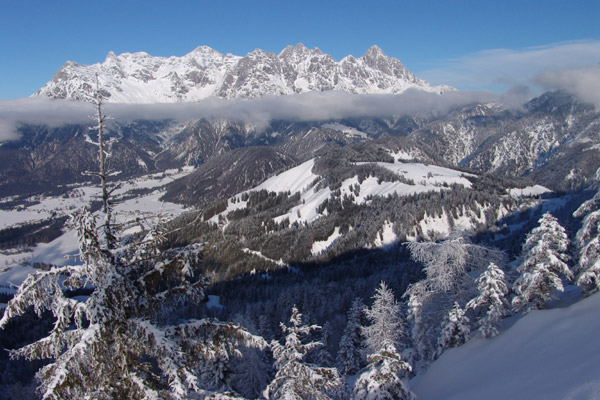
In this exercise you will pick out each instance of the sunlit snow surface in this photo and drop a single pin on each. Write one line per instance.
(80, 196)
(302, 180)
(548, 354)
(529, 191)
(320, 246)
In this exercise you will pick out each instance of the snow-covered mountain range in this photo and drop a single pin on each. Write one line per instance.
(319, 211)
(142, 78)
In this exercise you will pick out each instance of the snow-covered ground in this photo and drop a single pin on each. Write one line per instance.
(546, 355)
(136, 213)
(302, 180)
(9, 218)
(529, 191)
(320, 246)
(386, 236)
(259, 254)
(349, 131)
(79, 196)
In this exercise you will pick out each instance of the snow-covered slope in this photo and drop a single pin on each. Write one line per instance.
(553, 140)
(549, 354)
(416, 178)
(141, 78)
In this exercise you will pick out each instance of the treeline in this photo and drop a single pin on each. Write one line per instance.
(32, 233)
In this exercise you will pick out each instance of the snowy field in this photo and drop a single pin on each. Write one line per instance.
(135, 212)
(546, 355)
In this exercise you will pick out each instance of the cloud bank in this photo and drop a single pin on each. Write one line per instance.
(314, 106)
(581, 82)
(507, 68)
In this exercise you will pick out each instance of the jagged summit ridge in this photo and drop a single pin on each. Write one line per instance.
(204, 72)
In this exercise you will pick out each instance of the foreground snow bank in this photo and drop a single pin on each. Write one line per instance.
(551, 354)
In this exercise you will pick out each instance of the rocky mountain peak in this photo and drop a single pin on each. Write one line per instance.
(373, 52)
(111, 56)
(204, 72)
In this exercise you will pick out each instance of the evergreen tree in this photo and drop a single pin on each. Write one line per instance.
(294, 378)
(383, 377)
(120, 342)
(544, 262)
(324, 357)
(250, 375)
(385, 320)
(264, 327)
(448, 266)
(125, 340)
(103, 173)
(349, 354)
(588, 244)
(492, 297)
(419, 332)
(455, 331)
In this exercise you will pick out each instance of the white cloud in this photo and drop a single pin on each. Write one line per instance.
(314, 106)
(582, 82)
(39, 111)
(506, 68)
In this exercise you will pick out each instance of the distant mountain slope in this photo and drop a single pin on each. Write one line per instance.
(142, 78)
(554, 140)
(221, 176)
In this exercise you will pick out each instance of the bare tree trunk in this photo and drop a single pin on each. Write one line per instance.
(102, 174)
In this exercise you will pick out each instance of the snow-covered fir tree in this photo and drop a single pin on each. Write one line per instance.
(120, 342)
(130, 338)
(491, 300)
(543, 266)
(250, 374)
(103, 173)
(448, 266)
(264, 328)
(324, 357)
(384, 320)
(349, 355)
(296, 379)
(588, 245)
(445, 262)
(455, 331)
(422, 351)
(383, 378)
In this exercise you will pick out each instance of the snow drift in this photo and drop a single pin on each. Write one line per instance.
(549, 354)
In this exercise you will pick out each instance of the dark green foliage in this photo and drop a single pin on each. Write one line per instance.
(17, 380)
(32, 233)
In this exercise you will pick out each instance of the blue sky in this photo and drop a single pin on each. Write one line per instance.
(467, 44)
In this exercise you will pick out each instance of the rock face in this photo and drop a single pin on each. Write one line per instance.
(142, 78)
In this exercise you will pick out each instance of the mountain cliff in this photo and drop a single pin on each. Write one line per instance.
(142, 78)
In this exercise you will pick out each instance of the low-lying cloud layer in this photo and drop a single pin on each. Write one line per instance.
(581, 82)
(315, 106)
